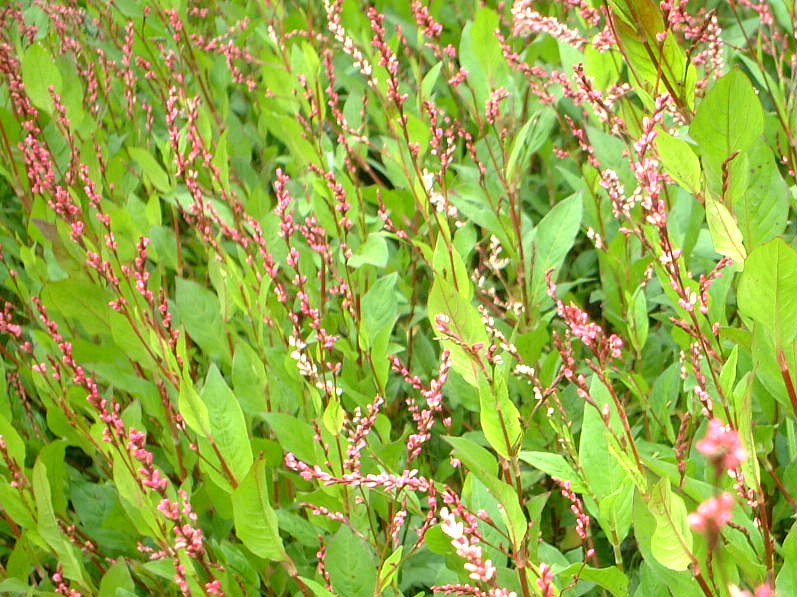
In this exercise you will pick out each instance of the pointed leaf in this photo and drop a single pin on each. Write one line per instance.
(255, 520)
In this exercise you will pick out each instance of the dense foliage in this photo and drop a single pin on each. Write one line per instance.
(335, 298)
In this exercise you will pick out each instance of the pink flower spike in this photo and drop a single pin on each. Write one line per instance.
(713, 514)
(722, 446)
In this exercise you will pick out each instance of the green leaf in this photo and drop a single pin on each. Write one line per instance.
(318, 589)
(15, 507)
(255, 520)
(373, 252)
(484, 467)
(729, 118)
(671, 542)
(200, 313)
(500, 419)
(529, 139)
(464, 321)
(679, 161)
(478, 460)
(612, 578)
(681, 583)
(116, 577)
(649, 61)
(762, 207)
(134, 502)
(551, 240)
(724, 230)
(594, 454)
(616, 512)
(15, 446)
(249, 378)
(38, 73)
(380, 310)
(294, 435)
(67, 554)
(768, 290)
(555, 466)
(191, 407)
(151, 168)
(82, 301)
(227, 423)
(351, 564)
(389, 568)
(480, 54)
(334, 416)
(448, 263)
(786, 582)
(638, 324)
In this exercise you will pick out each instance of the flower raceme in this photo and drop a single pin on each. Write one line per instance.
(713, 514)
(724, 449)
(722, 446)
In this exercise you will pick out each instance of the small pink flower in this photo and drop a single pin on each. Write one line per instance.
(713, 514)
(761, 591)
(722, 446)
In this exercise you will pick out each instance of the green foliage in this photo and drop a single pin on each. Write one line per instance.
(398, 298)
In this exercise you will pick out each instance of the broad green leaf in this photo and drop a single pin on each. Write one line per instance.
(512, 513)
(671, 542)
(249, 378)
(373, 252)
(484, 467)
(768, 290)
(655, 68)
(612, 578)
(13, 505)
(724, 230)
(762, 206)
(200, 312)
(227, 423)
(554, 466)
(334, 415)
(529, 139)
(464, 321)
(638, 324)
(255, 520)
(52, 456)
(39, 72)
(134, 502)
(351, 564)
(480, 54)
(437, 541)
(380, 310)
(478, 460)
(616, 512)
(151, 168)
(294, 435)
(389, 569)
(318, 589)
(115, 578)
(742, 396)
(67, 554)
(191, 407)
(551, 240)
(500, 419)
(679, 161)
(82, 301)
(786, 582)
(448, 263)
(594, 454)
(15, 445)
(729, 118)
